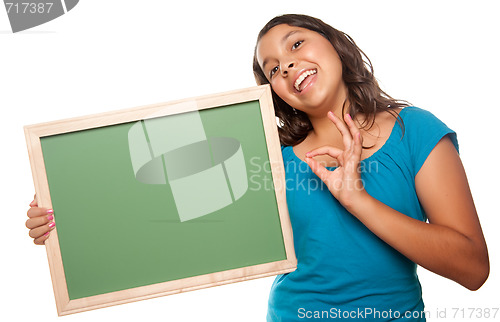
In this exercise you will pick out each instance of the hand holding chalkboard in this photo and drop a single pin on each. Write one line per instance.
(40, 222)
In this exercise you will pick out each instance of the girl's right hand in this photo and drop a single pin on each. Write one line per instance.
(40, 222)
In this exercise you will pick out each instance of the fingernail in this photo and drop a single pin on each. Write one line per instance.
(349, 116)
(52, 225)
(46, 234)
(50, 217)
(50, 211)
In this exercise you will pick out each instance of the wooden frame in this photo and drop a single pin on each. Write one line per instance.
(34, 134)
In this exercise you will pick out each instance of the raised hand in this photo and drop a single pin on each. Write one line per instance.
(345, 181)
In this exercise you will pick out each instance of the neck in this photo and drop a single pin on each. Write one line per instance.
(324, 131)
(323, 128)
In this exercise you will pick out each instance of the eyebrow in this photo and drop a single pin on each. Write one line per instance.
(283, 40)
(288, 35)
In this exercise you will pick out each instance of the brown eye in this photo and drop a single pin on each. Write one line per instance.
(273, 71)
(297, 44)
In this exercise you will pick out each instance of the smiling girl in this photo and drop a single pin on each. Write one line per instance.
(385, 191)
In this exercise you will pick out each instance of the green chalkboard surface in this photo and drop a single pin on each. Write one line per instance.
(163, 199)
(117, 233)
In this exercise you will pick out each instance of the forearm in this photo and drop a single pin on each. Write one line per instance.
(451, 244)
(439, 249)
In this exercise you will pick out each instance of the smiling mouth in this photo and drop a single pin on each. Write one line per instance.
(303, 77)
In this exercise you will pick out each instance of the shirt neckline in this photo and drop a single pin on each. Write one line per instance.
(383, 147)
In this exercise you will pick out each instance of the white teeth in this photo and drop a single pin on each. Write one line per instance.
(302, 77)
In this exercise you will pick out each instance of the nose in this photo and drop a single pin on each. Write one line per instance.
(286, 67)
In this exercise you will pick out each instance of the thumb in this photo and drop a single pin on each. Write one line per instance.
(34, 203)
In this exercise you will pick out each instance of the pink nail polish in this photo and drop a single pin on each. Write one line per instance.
(50, 217)
(46, 234)
(50, 211)
(52, 224)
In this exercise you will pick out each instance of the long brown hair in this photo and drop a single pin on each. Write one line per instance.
(364, 94)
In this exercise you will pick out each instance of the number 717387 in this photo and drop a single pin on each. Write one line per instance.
(29, 7)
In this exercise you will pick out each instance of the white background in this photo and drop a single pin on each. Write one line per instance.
(107, 55)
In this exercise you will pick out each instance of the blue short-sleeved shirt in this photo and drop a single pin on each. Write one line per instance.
(345, 271)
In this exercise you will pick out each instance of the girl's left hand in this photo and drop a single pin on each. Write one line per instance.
(345, 181)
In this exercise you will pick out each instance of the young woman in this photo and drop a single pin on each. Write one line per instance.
(385, 169)
(374, 186)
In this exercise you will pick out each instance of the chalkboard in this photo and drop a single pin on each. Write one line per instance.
(162, 199)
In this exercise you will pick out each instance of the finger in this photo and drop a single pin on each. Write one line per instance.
(34, 203)
(42, 230)
(41, 240)
(38, 221)
(37, 212)
(353, 129)
(346, 134)
(318, 169)
(353, 159)
(331, 151)
(358, 145)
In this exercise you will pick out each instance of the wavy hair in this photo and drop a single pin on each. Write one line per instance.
(364, 94)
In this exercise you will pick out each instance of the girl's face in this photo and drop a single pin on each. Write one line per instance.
(303, 69)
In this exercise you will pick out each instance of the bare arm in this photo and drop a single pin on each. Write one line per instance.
(444, 192)
(451, 244)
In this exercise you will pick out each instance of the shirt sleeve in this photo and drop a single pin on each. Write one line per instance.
(423, 131)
